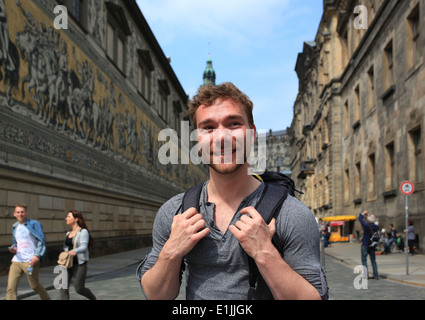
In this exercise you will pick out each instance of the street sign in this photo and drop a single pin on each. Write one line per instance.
(407, 188)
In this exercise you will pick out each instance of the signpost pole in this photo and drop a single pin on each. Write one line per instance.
(407, 188)
(406, 245)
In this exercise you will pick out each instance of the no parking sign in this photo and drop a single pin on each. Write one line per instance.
(407, 188)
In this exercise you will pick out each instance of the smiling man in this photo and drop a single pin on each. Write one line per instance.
(213, 244)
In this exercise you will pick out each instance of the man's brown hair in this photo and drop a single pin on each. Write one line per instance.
(208, 94)
(21, 205)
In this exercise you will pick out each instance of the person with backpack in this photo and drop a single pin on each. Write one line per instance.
(226, 248)
(369, 242)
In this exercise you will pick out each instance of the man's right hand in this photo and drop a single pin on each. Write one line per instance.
(187, 230)
(162, 280)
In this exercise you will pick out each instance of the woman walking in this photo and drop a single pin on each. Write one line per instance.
(77, 243)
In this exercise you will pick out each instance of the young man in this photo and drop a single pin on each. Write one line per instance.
(29, 247)
(214, 243)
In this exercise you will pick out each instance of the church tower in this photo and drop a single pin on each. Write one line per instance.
(209, 73)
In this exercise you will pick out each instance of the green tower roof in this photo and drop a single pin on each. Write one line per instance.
(209, 73)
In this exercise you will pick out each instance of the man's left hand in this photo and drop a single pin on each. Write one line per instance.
(252, 232)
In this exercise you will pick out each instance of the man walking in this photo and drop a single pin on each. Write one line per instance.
(29, 247)
(213, 244)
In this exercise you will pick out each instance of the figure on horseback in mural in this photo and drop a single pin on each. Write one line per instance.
(9, 57)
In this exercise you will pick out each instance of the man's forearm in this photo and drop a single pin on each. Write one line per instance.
(162, 281)
(283, 281)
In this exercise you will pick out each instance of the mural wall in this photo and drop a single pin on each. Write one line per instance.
(75, 133)
(46, 77)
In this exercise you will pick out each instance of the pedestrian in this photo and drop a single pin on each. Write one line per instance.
(81, 235)
(393, 238)
(369, 227)
(213, 243)
(325, 234)
(29, 248)
(410, 237)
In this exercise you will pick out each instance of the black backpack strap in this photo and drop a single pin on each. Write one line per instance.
(268, 206)
(191, 198)
(271, 200)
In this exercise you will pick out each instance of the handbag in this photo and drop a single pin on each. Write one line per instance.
(65, 259)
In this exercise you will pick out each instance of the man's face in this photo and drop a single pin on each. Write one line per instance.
(224, 136)
(20, 214)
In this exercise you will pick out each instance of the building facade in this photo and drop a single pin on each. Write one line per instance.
(358, 126)
(279, 152)
(84, 94)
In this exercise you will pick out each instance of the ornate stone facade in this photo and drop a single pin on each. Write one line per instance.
(279, 152)
(80, 113)
(358, 126)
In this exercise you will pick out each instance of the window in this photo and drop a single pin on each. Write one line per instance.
(117, 31)
(413, 46)
(163, 93)
(346, 118)
(390, 175)
(371, 185)
(346, 186)
(177, 109)
(77, 9)
(145, 68)
(416, 155)
(356, 111)
(358, 181)
(388, 65)
(370, 88)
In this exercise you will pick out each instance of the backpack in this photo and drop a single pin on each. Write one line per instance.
(374, 239)
(276, 189)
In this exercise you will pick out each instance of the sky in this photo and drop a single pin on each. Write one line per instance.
(252, 43)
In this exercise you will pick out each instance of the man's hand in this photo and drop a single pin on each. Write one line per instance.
(34, 260)
(187, 230)
(253, 234)
(162, 280)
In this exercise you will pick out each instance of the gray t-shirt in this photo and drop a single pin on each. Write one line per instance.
(217, 267)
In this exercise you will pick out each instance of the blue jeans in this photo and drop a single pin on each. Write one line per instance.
(371, 253)
(388, 245)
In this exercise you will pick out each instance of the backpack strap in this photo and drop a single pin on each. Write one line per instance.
(269, 204)
(191, 198)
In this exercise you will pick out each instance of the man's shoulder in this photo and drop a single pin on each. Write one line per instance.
(295, 215)
(172, 206)
(32, 223)
(295, 207)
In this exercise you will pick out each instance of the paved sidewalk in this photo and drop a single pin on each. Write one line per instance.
(97, 266)
(390, 266)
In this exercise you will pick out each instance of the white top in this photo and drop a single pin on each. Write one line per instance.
(26, 243)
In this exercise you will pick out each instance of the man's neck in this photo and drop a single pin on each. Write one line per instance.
(232, 186)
